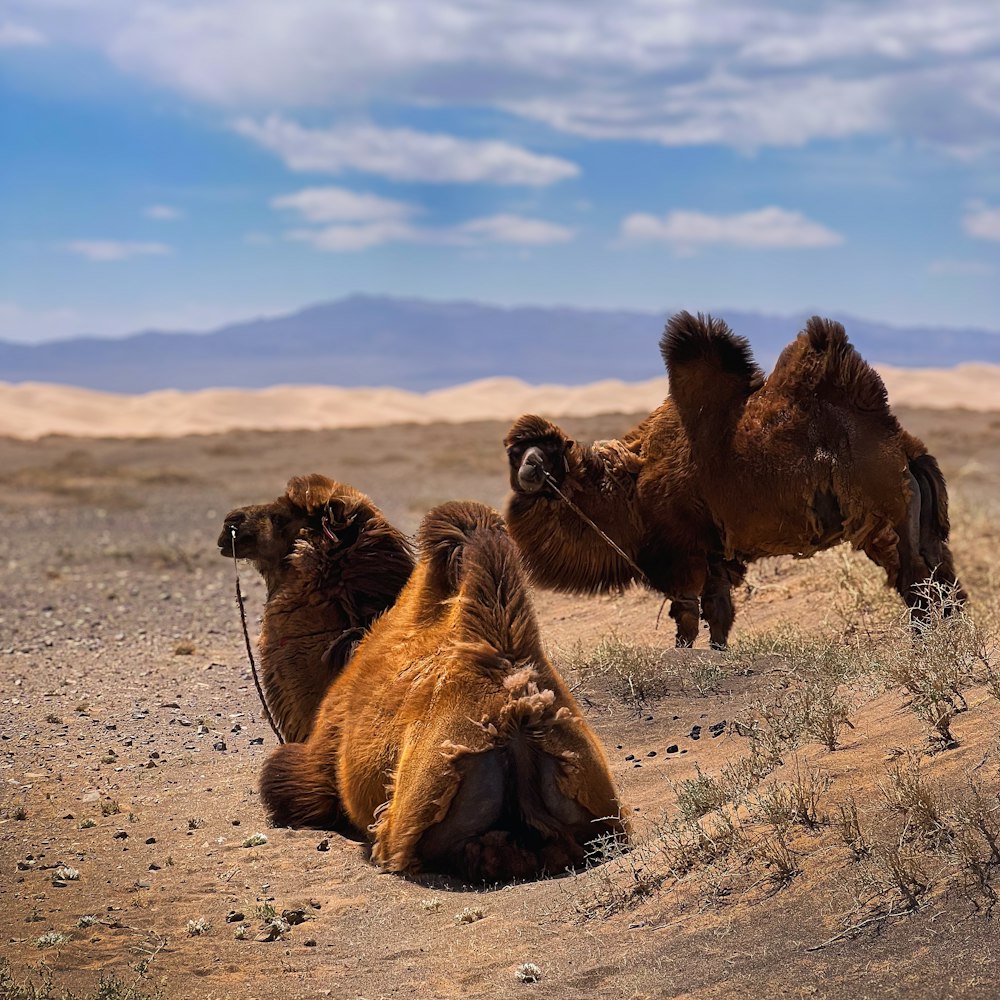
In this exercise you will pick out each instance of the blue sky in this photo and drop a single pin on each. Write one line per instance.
(182, 164)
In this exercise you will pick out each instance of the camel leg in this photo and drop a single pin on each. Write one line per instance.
(717, 599)
(685, 611)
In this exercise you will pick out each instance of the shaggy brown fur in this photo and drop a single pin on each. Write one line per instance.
(733, 467)
(332, 564)
(449, 736)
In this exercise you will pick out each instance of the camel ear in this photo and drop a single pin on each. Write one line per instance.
(312, 492)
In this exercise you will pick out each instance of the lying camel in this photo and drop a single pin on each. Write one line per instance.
(449, 736)
(731, 468)
(332, 564)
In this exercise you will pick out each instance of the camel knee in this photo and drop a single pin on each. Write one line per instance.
(298, 791)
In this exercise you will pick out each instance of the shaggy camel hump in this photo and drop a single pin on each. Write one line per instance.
(822, 362)
(472, 559)
(706, 361)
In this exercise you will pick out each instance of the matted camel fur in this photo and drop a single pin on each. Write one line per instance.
(732, 468)
(332, 564)
(449, 737)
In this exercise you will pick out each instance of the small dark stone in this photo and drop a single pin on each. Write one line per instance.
(151, 840)
(235, 916)
(69, 816)
(309, 943)
(619, 747)
(121, 835)
(294, 916)
(631, 756)
(219, 745)
(154, 867)
(236, 822)
(257, 741)
(652, 753)
(673, 748)
(323, 845)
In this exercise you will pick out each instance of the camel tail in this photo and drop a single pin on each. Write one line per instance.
(839, 366)
(297, 790)
(707, 363)
(935, 525)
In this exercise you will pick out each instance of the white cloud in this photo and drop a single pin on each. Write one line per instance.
(402, 154)
(162, 213)
(20, 36)
(494, 229)
(765, 228)
(744, 73)
(335, 204)
(982, 221)
(112, 250)
(358, 237)
(513, 229)
(961, 267)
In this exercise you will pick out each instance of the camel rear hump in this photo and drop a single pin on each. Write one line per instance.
(471, 558)
(831, 360)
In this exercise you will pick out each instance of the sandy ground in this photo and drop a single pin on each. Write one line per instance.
(131, 740)
(32, 410)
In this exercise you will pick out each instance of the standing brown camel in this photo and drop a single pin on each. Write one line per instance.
(332, 564)
(449, 736)
(731, 468)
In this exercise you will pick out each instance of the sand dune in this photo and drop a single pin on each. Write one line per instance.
(32, 410)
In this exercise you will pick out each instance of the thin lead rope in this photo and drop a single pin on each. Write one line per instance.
(551, 481)
(246, 639)
(579, 513)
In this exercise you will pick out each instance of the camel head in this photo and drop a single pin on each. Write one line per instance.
(311, 505)
(536, 447)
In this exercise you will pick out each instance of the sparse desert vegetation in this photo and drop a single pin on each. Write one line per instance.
(815, 808)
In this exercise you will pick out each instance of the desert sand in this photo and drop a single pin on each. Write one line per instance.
(32, 410)
(131, 740)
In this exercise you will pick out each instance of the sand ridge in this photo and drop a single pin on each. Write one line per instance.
(32, 410)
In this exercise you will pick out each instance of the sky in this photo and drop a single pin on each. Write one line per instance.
(178, 164)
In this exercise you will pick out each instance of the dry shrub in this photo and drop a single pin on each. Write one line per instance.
(636, 673)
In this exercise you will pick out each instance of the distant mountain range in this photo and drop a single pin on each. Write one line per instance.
(419, 345)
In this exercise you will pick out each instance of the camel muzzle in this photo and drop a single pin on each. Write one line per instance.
(231, 535)
(531, 473)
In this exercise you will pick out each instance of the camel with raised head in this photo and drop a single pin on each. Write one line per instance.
(733, 467)
(449, 736)
(332, 564)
